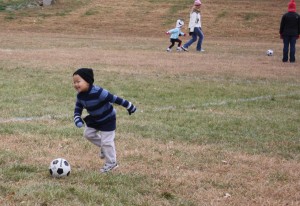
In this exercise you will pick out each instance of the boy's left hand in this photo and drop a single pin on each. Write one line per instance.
(131, 108)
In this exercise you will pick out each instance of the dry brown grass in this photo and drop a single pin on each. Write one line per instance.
(234, 19)
(146, 55)
(248, 179)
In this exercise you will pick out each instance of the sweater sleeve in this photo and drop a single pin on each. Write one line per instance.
(298, 24)
(281, 25)
(117, 100)
(171, 31)
(78, 109)
(192, 23)
(191, 28)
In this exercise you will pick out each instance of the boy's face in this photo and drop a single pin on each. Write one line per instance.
(80, 84)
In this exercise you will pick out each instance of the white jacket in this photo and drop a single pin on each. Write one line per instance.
(195, 21)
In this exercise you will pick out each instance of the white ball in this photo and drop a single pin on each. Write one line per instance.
(59, 168)
(270, 52)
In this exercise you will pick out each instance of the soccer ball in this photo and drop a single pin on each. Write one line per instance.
(270, 52)
(59, 168)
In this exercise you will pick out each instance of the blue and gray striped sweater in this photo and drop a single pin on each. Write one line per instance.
(98, 103)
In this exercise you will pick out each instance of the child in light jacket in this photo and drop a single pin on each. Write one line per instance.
(174, 35)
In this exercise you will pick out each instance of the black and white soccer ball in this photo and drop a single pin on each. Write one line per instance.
(270, 52)
(59, 167)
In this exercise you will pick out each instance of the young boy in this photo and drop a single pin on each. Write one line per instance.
(175, 33)
(101, 121)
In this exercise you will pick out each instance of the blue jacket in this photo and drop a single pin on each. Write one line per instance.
(175, 33)
(98, 103)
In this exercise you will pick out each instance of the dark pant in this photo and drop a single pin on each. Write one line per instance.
(173, 42)
(289, 43)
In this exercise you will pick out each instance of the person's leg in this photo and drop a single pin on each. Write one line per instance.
(109, 150)
(172, 43)
(293, 40)
(92, 135)
(285, 48)
(191, 41)
(179, 42)
(200, 40)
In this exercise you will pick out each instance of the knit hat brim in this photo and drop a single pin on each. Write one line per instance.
(86, 73)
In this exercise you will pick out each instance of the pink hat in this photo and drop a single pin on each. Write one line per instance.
(197, 3)
(292, 6)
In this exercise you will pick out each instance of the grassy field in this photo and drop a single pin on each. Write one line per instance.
(213, 128)
(224, 121)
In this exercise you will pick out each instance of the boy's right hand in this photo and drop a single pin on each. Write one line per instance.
(78, 121)
(79, 124)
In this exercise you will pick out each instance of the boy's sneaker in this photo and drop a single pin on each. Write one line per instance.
(101, 154)
(107, 168)
(168, 50)
(202, 50)
(179, 49)
(184, 49)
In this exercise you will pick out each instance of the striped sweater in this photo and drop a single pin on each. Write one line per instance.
(98, 103)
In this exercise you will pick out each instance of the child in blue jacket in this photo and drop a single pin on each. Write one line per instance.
(175, 33)
(101, 121)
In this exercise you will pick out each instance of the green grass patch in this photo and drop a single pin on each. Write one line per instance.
(175, 8)
(15, 4)
(91, 12)
(250, 16)
(188, 109)
(223, 14)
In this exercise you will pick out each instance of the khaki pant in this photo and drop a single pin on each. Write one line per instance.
(104, 140)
